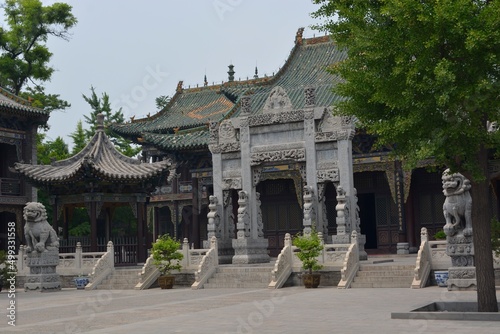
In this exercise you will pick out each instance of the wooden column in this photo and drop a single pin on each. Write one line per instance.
(141, 252)
(195, 228)
(93, 227)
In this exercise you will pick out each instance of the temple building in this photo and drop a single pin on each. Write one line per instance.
(19, 122)
(275, 159)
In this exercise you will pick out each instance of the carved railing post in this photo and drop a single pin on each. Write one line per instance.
(423, 264)
(283, 266)
(78, 255)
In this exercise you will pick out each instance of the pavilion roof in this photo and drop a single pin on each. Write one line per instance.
(193, 108)
(15, 105)
(98, 160)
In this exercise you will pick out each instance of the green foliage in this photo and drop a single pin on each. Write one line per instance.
(495, 236)
(421, 74)
(6, 265)
(42, 100)
(165, 254)
(162, 101)
(101, 105)
(80, 230)
(79, 138)
(24, 55)
(439, 235)
(51, 150)
(309, 248)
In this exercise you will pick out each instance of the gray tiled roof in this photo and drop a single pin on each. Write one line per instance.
(16, 105)
(100, 159)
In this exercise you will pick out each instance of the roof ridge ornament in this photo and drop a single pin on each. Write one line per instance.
(100, 122)
(298, 36)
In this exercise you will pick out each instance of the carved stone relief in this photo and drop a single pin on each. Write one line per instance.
(231, 183)
(328, 175)
(277, 99)
(286, 155)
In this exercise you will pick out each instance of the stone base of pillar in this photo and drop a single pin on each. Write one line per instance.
(226, 251)
(250, 251)
(43, 276)
(403, 248)
(341, 239)
(462, 279)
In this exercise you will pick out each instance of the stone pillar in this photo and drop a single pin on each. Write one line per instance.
(347, 181)
(247, 249)
(458, 228)
(225, 246)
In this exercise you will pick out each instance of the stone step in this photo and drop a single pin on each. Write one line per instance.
(121, 279)
(233, 285)
(380, 285)
(377, 273)
(240, 277)
(368, 279)
(374, 267)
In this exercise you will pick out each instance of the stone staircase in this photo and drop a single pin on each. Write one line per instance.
(241, 276)
(121, 279)
(385, 274)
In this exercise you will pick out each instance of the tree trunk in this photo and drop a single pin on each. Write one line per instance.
(481, 223)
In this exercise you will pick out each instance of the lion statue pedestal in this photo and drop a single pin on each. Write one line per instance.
(42, 250)
(459, 244)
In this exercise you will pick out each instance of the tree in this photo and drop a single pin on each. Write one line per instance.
(79, 138)
(103, 106)
(48, 151)
(24, 54)
(425, 75)
(162, 101)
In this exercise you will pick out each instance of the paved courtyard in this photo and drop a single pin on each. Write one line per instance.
(288, 310)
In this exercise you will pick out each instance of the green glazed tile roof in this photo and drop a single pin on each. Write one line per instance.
(179, 141)
(195, 107)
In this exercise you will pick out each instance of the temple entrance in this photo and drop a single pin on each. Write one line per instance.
(367, 215)
(281, 212)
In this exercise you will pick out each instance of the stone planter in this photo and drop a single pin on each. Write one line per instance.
(81, 282)
(311, 280)
(166, 282)
(441, 278)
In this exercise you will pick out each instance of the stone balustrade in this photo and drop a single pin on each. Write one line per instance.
(103, 268)
(350, 265)
(78, 263)
(208, 265)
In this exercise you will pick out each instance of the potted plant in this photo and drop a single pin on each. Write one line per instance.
(309, 247)
(6, 266)
(166, 258)
(81, 281)
(439, 235)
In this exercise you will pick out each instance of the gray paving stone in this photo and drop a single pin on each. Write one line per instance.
(182, 310)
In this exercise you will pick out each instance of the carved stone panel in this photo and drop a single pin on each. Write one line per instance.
(328, 175)
(285, 155)
(277, 99)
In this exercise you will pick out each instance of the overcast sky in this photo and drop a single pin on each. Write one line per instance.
(138, 50)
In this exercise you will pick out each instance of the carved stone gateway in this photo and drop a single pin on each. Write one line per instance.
(458, 228)
(42, 249)
(273, 136)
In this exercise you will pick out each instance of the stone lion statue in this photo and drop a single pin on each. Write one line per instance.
(39, 234)
(457, 205)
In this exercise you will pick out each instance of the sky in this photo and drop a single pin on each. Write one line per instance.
(136, 51)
